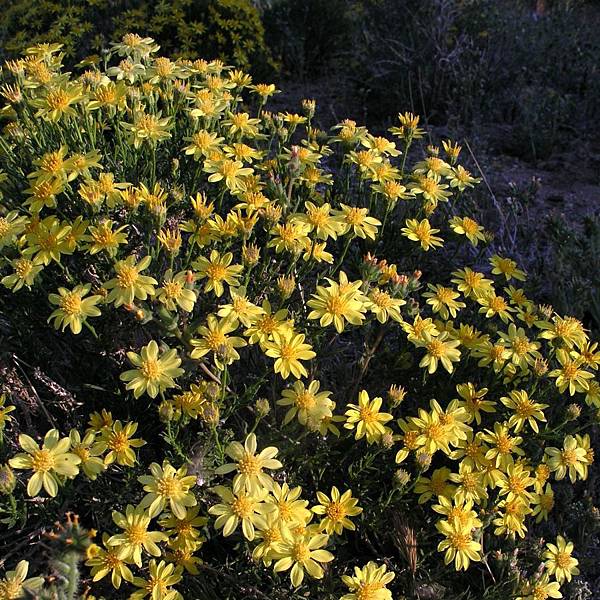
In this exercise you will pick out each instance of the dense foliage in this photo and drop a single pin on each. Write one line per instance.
(277, 362)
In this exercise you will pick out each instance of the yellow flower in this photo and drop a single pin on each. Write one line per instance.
(368, 583)
(203, 142)
(153, 373)
(215, 338)
(102, 237)
(459, 546)
(89, 451)
(474, 402)
(443, 301)
(336, 509)
(384, 306)
(241, 309)
(541, 588)
(302, 552)
(334, 304)
(570, 375)
(320, 220)
(422, 232)
(162, 576)
(48, 462)
(250, 477)
(441, 348)
(109, 559)
(366, 419)
(148, 128)
(503, 445)
(470, 486)
(288, 349)
(5, 409)
(232, 172)
(183, 532)
(571, 459)
(526, 410)
(165, 486)
(129, 284)
(135, 536)
(543, 503)
(174, 293)
(559, 561)
(218, 270)
(468, 227)
(58, 101)
(307, 403)
(235, 508)
(287, 506)
(120, 444)
(73, 309)
(514, 483)
(15, 584)
(357, 222)
(506, 267)
(471, 283)
(241, 123)
(522, 351)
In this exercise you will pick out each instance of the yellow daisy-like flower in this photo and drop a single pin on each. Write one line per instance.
(357, 222)
(218, 270)
(25, 272)
(559, 561)
(570, 375)
(109, 560)
(336, 509)
(161, 577)
(307, 403)
(89, 451)
(443, 301)
(422, 232)
(288, 349)
(239, 508)
(154, 373)
(48, 462)
(5, 410)
(174, 293)
(120, 444)
(384, 306)
(231, 171)
(541, 588)
(148, 128)
(502, 445)
(215, 338)
(526, 410)
(472, 283)
(474, 402)
(73, 309)
(468, 227)
(366, 419)
(168, 486)
(240, 308)
(459, 546)
(506, 267)
(135, 537)
(334, 304)
(15, 583)
(129, 284)
(250, 477)
(571, 459)
(286, 504)
(368, 583)
(300, 552)
(441, 348)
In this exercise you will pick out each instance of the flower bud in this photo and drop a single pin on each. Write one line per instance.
(573, 412)
(396, 395)
(262, 407)
(8, 481)
(401, 477)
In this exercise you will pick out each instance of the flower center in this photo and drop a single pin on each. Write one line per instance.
(249, 465)
(242, 507)
(216, 272)
(119, 442)
(335, 511)
(42, 460)
(150, 369)
(168, 486)
(336, 306)
(127, 276)
(71, 304)
(355, 216)
(137, 534)
(306, 400)
(300, 552)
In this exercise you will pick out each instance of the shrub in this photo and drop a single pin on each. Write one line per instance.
(261, 360)
(230, 30)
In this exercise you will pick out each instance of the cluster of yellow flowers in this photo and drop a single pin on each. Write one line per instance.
(161, 196)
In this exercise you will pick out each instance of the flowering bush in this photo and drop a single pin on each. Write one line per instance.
(316, 377)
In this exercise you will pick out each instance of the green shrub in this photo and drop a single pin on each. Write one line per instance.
(230, 30)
